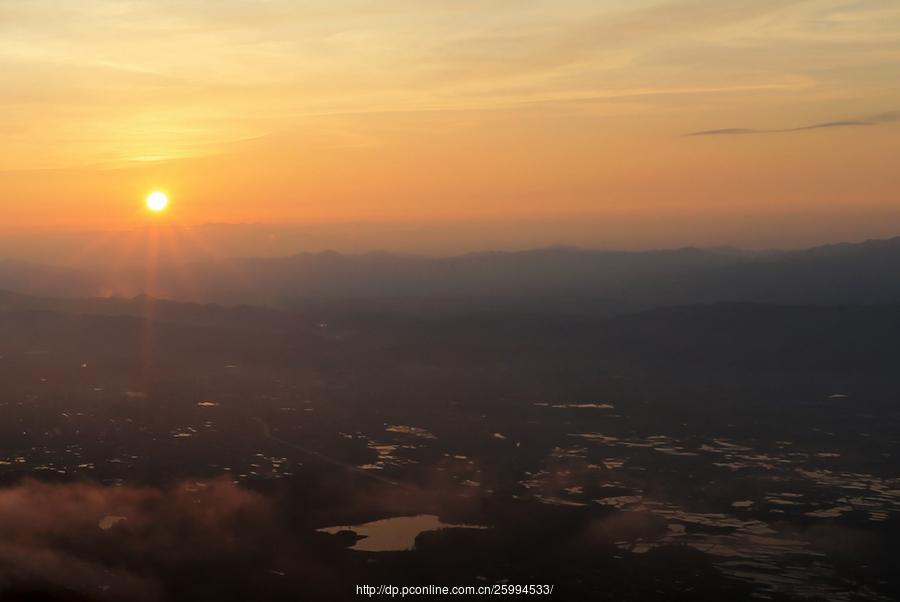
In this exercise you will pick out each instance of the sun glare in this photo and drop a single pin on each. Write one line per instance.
(157, 201)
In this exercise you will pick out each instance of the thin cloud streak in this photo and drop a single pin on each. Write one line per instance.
(874, 120)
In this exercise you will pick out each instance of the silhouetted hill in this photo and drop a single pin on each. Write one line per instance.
(553, 277)
(833, 274)
(556, 279)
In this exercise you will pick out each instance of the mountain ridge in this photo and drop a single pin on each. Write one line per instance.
(556, 278)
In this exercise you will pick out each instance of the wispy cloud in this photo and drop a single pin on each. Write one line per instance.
(870, 121)
(886, 117)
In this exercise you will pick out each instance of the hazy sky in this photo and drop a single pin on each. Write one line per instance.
(577, 112)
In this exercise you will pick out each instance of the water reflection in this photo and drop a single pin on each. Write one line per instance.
(394, 534)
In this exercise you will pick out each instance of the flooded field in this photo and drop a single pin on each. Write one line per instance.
(393, 534)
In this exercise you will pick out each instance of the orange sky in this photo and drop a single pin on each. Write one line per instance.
(562, 112)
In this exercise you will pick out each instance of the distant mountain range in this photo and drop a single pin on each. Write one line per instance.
(555, 278)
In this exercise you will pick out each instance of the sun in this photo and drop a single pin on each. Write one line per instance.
(157, 201)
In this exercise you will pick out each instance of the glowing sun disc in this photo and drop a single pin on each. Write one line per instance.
(157, 201)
